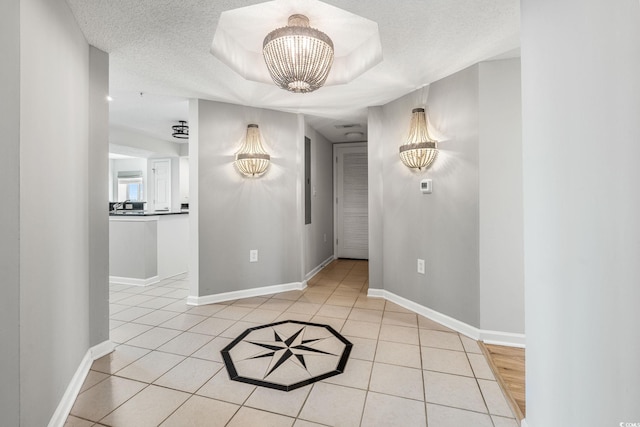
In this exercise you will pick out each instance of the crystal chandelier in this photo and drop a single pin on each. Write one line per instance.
(252, 159)
(419, 151)
(298, 57)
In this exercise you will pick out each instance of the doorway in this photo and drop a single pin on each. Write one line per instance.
(162, 184)
(351, 201)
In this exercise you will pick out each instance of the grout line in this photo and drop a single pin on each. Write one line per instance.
(392, 395)
(176, 410)
(305, 401)
(89, 388)
(364, 405)
(340, 290)
(467, 410)
(484, 400)
(114, 409)
(424, 383)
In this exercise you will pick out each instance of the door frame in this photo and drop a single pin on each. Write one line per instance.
(337, 146)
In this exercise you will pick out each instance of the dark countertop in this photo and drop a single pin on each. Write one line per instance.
(125, 213)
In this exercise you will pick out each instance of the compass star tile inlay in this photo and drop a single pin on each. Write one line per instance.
(286, 355)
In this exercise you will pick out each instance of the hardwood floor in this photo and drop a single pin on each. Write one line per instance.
(508, 364)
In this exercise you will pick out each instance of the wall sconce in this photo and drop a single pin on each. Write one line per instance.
(252, 160)
(419, 151)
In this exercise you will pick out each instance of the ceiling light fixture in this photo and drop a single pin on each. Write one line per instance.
(180, 131)
(354, 135)
(252, 160)
(348, 126)
(298, 57)
(419, 151)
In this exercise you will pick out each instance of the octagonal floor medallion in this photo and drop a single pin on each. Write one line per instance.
(286, 355)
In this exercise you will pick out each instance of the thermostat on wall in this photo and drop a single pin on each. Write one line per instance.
(426, 187)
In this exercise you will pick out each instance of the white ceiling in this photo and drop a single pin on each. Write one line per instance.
(240, 33)
(162, 49)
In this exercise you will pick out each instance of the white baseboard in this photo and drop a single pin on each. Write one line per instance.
(134, 282)
(376, 293)
(490, 337)
(316, 270)
(161, 278)
(246, 293)
(508, 339)
(102, 349)
(73, 389)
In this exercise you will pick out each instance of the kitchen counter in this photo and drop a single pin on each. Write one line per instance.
(146, 247)
(124, 212)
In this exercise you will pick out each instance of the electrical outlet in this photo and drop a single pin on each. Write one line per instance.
(421, 266)
(253, 255)
(325, 237)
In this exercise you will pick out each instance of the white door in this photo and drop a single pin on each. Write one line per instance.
(352, 209)
(162, 184)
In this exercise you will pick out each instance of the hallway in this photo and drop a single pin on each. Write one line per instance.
(403, 370)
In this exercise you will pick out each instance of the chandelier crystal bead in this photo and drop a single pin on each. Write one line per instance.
(298, 57)
(419, 151)
(252, 160)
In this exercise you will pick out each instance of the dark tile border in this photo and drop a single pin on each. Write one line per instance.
(233, 373)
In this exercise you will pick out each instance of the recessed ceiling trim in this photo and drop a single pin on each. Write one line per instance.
(240, 34)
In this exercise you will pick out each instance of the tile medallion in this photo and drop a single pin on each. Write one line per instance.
(286, 355)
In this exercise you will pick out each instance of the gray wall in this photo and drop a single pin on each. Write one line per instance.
(183, 173)
(56, 275)
(469, 230)
(237, 214)
(98, 170)
(317, 248)
(375, 155)
(10, 214)
(194, 190)
(581, 128)
(501, 245)
(441, 228)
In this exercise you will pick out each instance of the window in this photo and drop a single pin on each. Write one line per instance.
(130, 186)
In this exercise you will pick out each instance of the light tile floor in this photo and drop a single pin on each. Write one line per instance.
(404, 369)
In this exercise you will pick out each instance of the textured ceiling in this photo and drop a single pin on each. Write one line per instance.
(240, 34)
(162, 49)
